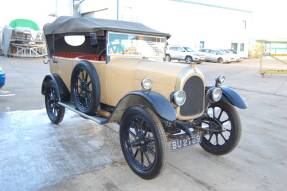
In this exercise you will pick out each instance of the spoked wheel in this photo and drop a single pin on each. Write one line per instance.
(85, 88)
(224, 129)
(54, 110)
(143, 141)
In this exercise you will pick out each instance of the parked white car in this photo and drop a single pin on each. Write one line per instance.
(183, 53)
(215, 56)
(233, 56)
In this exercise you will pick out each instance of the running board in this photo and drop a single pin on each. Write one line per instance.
(97, 119)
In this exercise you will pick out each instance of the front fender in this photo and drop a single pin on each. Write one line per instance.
(231, 96)
(159, 104)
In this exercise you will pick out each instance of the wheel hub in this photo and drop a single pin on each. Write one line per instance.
(216, 125)
(84, 85)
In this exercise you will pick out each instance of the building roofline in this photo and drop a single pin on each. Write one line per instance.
(279, 41)
(213, 5)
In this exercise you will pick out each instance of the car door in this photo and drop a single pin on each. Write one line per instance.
(213, 56)
(181, 53)
(206, 54)
(175, 52)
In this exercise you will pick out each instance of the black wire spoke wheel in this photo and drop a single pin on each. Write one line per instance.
(54, 110)
(85, 87)
(223, 129)
(143, 141)
(140, 143)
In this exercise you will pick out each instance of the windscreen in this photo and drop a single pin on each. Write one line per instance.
(136, 45)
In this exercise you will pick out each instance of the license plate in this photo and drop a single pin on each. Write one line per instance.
(181, 143)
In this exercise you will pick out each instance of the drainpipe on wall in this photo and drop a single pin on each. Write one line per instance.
(118, 1)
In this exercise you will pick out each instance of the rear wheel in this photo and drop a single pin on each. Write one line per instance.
(55, 112)
(143, 141)
(224, 129)
(85, 88)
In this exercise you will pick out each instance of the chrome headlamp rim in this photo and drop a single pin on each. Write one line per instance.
(179, 98)
(146, 84)
(216, 94)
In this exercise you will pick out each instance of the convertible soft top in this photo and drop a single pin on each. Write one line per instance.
(72, 25)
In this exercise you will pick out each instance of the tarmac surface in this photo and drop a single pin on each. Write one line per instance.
(80, 155)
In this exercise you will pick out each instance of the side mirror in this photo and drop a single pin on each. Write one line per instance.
(219, 80)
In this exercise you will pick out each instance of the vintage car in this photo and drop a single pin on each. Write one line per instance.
(113, 71)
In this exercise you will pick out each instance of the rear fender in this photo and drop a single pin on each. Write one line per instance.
(62, 89)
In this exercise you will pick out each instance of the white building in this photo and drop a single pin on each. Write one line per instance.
(199, 24)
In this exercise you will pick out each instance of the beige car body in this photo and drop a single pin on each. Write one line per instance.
(123, 74)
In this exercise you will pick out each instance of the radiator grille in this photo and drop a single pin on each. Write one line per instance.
(194, 104)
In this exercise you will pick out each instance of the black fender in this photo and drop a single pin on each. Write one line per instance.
(159, 104)
(64, 94)
(231, 96)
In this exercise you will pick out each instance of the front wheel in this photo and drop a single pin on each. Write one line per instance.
(188, 59)
(167, 58)
(55, 111)
(223, 129)
(220, 60)
(143, 141)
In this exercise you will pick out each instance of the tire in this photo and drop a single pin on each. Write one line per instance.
(85, 88)
(145, 153)
(167, 58)
(230, 125)
(54, 111)
(188, 59)
(220, 60)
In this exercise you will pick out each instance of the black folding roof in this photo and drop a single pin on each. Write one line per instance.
(72, 25)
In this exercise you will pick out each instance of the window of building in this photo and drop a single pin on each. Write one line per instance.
(234, 46)
(241, 47)
(201, 44)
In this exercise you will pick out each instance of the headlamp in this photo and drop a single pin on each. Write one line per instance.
(146, 84)
(179, 97)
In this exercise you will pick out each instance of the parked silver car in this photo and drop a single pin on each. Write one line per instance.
(215, 56)
(232, 54)
(183, 53)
